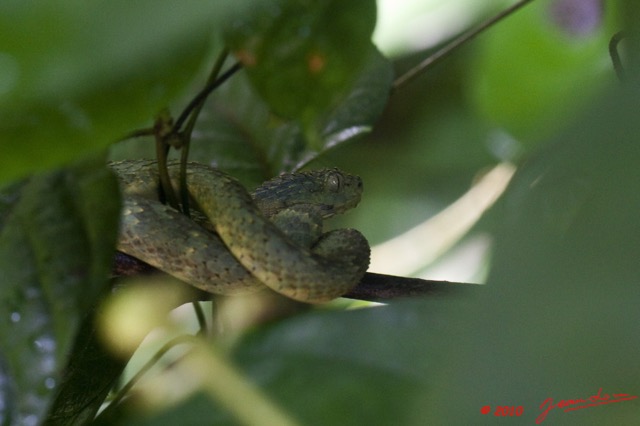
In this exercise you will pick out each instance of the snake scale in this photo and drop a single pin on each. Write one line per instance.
(273, 237)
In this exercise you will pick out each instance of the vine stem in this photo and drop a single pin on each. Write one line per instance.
(202, 95)
(454, 44)
(188, 130)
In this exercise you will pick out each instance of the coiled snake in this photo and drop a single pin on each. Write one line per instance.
(273, 239)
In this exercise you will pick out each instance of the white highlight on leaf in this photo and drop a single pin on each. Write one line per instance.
(421, 245)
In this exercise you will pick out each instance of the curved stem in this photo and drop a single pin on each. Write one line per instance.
(615, 54)
(202, 321)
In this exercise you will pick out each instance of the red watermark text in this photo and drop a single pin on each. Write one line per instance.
(579, 403)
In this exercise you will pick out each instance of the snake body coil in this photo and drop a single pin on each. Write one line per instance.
(274, 239)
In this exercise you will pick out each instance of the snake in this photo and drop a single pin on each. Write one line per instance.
(272, 237)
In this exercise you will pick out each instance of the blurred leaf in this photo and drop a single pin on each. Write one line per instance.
(55, 254)
(410, 26)
(188, 413)
(371, 363)
(533, 69)
(559, 318)
(77, 83)
(367, 363)
(296, 53)
(90, 374)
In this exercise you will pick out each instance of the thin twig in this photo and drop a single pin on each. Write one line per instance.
(137, 134)
(615, 54)
(454, 44)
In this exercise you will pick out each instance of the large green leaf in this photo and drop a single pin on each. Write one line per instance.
(302, 56)
(56, 248)
(238, 133)
(369, 366)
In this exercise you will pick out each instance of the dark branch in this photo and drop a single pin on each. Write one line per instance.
(383, 288)
(373, 287)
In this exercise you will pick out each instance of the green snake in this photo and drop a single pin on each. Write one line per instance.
(272, 237)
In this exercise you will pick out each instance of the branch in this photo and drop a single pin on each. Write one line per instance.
(384, 288)
(373, 287)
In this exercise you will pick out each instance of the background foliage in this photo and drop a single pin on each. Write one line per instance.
(557, 317)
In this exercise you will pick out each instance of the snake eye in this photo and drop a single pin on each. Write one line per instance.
(333, 181)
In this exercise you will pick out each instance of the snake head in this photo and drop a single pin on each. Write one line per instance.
(325, 192)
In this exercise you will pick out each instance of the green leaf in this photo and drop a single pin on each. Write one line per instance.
(56, 248)
(238, 134)
(370, 363)
(374, 364)
(302, 56)
(75, 84)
